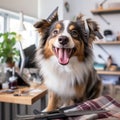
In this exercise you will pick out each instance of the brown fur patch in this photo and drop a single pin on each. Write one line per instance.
(71, 27)
(58, 26)
(52, 101)
(80, 90)
(48, 52)
(79, 50)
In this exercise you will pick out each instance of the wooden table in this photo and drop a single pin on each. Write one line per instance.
(11, 105)
(25, 99)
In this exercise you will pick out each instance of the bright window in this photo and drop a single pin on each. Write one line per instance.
(9, 21)
(28, 36)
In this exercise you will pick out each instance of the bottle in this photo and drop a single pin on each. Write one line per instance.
(13, 80)
(0, 85)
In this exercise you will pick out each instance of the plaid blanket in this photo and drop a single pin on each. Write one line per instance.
(103, 102)
(104, 107)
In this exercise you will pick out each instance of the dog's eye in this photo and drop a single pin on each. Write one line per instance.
(74, 33)
(55, 32)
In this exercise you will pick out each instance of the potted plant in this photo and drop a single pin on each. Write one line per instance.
(8, 52)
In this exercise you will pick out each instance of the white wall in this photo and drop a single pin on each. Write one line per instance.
(45, 7)
(29, 7)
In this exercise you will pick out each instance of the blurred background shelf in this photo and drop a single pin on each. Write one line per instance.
(105, 72)
(107, 42)
(106, 11)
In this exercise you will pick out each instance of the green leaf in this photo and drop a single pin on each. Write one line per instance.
(7, 47)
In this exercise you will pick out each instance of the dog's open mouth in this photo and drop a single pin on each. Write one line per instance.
(63, 54)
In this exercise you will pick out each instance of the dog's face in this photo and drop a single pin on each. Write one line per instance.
(66, 39)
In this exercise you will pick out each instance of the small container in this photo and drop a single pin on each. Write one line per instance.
(13, 82)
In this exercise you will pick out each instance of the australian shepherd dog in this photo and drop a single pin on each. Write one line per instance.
(65, 59)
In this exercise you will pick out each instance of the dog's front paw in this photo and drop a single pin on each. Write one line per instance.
(48, 109)
(45, 110)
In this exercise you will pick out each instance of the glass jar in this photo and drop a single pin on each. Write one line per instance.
(13, 82)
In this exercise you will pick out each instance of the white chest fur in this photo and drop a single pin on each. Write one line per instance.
(61, 78)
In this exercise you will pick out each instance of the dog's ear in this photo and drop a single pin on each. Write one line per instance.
(53, 16)
(41, 26)
(44, 24)
(84, 31)
(89, 28)
(93, 30)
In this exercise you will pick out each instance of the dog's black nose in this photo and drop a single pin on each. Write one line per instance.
(63, 40)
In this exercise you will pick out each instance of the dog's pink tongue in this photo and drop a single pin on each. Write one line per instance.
(63, 56)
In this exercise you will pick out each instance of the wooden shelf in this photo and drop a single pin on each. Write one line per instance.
(103, 72)
(104, 11)
(102, 42)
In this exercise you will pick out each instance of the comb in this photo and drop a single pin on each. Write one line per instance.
(53, 16)
(59, 114)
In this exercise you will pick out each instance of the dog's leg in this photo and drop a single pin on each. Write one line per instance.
(97, 89)
(80, 93)
(67, 103)
(94, 86)
(52, 101)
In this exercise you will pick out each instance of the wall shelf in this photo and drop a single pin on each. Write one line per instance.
(104, 11)
(104, 72)
(102, 42)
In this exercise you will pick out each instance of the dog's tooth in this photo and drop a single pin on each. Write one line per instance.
(69, 50)
(56, 50)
